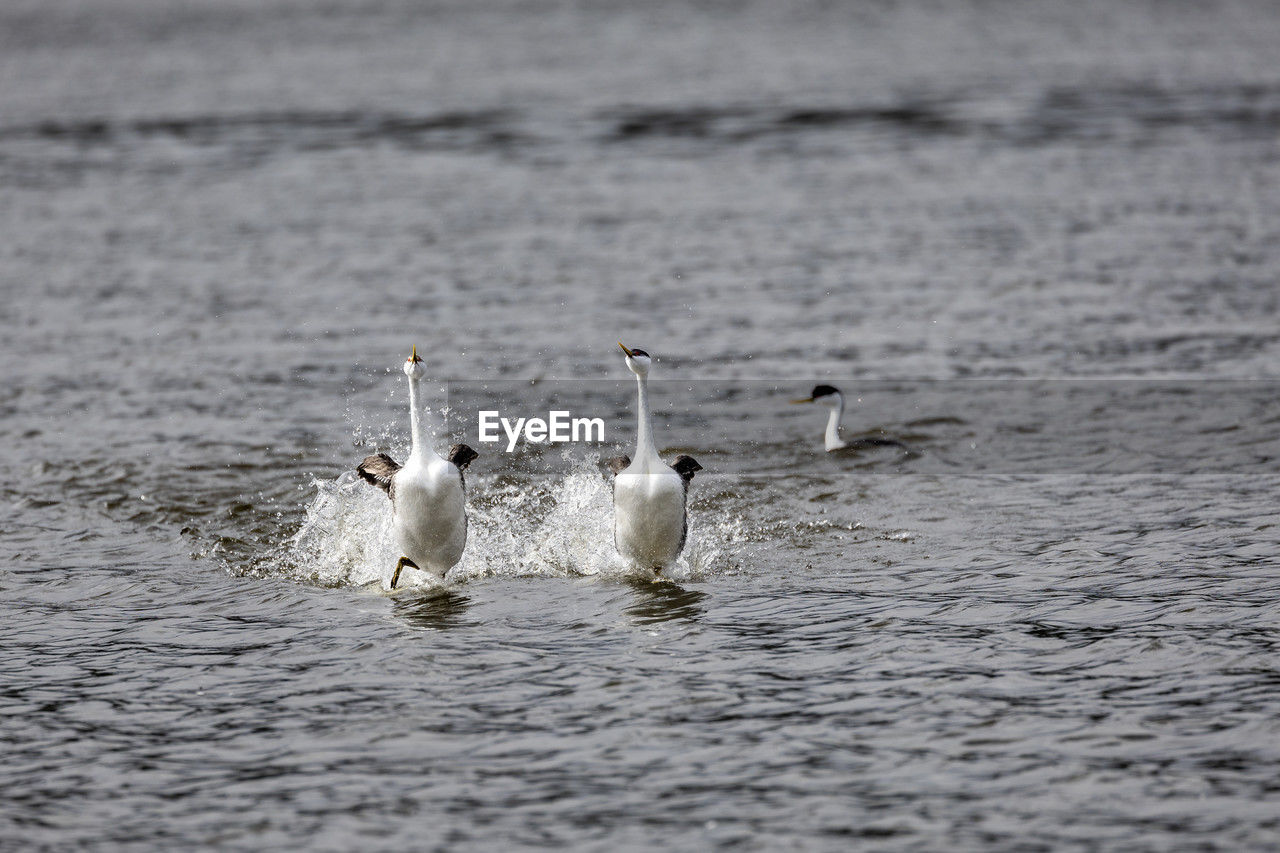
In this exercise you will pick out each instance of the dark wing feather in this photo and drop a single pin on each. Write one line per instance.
(379, 469)
(685, 466)
(461, 455)
(617, 464)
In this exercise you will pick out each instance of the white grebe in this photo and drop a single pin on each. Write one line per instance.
(649, 519)
(428, 494)
(830, 398)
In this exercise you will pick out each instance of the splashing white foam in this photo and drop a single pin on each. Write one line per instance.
(346, 537)
(531, 527)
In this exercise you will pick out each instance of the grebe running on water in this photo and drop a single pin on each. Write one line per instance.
(650, 522)
(428, 493)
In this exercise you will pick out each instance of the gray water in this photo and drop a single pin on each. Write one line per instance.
(1052, 624)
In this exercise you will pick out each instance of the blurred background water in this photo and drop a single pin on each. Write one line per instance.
(225, 223)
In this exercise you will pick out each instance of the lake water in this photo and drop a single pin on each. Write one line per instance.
(1038, 243)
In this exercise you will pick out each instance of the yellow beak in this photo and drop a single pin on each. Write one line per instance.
(805, 400)
(414, 356)
(624, 349)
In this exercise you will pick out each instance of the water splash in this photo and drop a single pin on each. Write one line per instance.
(519, 526)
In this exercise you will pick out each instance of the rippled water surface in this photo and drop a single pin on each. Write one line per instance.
(1036, 243)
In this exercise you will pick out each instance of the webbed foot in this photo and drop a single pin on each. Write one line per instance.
(400, 564)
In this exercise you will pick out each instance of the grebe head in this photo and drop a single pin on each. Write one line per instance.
(637, 360)
(826, 396)
(413, 365)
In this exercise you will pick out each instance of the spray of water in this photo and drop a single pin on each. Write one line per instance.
(532, 526)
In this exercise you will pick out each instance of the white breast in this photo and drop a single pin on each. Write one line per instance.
(430, 514)
(648, 515)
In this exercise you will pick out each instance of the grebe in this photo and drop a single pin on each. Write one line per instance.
(830, 398)
(428, 493)
(650, 523)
